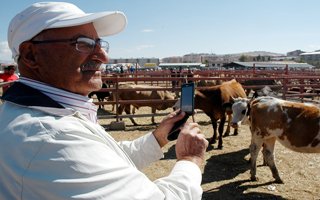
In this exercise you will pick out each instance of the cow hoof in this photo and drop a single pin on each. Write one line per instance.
(226, 134)
(236, 133)
(253, 178)
(211, 141)
(279, 181)
(220, 147)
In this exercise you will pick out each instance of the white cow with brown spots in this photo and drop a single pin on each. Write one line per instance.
(295, 125)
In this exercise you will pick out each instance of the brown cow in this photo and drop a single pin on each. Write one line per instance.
(216, 102)
(295, 125)
(144, 95)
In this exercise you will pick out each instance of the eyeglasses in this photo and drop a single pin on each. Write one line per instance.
(83, 44)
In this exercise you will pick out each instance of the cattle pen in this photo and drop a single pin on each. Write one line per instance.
(296, 85)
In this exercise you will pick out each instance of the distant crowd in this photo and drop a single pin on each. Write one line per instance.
(8, 75)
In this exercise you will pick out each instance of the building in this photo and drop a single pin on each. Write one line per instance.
(174, 59)
(268, 65)
(295, 53)
(312, 58)
(182, 66)
(142, 62)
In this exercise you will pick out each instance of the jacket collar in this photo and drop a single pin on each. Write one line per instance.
(25, 95)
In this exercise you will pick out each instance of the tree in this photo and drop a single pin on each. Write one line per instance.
(258, 58)
(243, 58)
(206, 62)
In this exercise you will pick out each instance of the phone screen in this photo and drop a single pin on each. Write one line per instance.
(187, 98)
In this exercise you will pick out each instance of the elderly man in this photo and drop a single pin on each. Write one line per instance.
(51, 146)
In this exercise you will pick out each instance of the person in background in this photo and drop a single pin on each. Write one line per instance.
(190, 75)
(51, 146)
(8, 76)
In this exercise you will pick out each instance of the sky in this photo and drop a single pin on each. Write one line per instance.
(164, 28)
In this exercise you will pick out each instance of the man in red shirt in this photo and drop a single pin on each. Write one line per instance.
(8, 76)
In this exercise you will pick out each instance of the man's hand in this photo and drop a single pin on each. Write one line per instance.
(161, 132)
(191, 144)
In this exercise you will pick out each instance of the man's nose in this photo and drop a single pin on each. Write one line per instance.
(101, 54)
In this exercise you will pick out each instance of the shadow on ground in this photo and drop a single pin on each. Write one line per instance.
(236, 191)
(225, 166)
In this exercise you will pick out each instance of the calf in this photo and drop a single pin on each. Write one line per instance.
(101, 95)
(295, 125)
(139, 94)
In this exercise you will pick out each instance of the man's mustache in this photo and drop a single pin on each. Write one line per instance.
(91, 66)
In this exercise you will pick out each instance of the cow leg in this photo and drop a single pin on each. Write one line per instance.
(214, 126)
(227, 132)
(120, 110)
(264, 153)
(255, 147)
(101, 106)
(235, 132)
(248, 92)
(128, 111)
(221, 126)
(268, 153)
(153, 110)
(228, 126)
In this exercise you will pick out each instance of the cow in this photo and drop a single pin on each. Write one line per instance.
(295, 125)
(208, 83)
(137, 94)
(101, 95)
(216, 102)
(259, 84)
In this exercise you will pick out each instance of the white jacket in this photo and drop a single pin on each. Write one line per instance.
(55, 153)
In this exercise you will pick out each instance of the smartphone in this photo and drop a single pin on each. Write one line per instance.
(187, 98)
(187, 106)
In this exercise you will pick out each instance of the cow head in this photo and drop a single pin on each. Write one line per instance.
(240, 110)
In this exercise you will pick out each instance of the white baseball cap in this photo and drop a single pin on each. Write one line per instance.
(45, 15)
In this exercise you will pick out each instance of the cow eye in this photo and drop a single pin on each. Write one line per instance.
(243, 112)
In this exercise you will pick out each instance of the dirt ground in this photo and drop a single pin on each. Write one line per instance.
(226, 172)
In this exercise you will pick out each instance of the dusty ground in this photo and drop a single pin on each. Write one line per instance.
(226, 172)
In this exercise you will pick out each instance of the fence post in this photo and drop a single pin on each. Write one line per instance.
(285, 87)
(117, 99)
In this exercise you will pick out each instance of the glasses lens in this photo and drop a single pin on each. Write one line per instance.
(103, 44)
(85, 45)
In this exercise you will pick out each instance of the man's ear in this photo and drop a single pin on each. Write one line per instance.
(27, 55)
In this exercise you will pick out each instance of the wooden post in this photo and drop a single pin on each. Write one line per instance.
(117, 98)
(136, 72)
